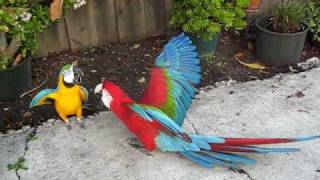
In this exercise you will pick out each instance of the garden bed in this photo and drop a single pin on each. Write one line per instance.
(129, 64)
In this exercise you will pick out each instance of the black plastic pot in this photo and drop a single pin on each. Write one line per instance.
(15, 80)
(278, 49)
(206, 49)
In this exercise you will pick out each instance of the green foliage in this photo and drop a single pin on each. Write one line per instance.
(288, 17)
(20, 164)
(205, 18)
(312, 10)
(20, 22)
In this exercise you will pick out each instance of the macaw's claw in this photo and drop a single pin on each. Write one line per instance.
(82, 125)
(134, 142)
(68, 126)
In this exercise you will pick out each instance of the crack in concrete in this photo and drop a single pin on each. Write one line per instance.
(242, 171)
(193, 126)
(26, 148)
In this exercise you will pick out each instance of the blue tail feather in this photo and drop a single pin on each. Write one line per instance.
(306, 138)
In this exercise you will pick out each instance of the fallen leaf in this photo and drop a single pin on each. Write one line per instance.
(142, 80)
(136, 46)
(298, 94)
(27, 114)
(302, 110)
(93, 71)
(256, 66)
(250, 46)
(56, 9)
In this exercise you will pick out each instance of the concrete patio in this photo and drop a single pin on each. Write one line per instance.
(268, 108)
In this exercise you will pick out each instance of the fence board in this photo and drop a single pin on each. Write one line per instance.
(131, 20)
(167, 5)
(267, 6)
(56, 37)
(42, 50)
(105, 21)
(155, 17)
(81, 26)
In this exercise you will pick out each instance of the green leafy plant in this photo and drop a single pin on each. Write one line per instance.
(205, 18)
(288, 17)
(19, 165)
(312, 10)
(20, 23)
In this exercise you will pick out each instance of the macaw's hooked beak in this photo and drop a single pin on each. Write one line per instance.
(78, 74)
(98, 89)
(106, 98)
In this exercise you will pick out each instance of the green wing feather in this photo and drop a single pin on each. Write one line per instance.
(84, 94)
(171, 85)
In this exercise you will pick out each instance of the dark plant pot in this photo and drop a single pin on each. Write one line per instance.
(278, 49)
(205, 49)
(15, 80)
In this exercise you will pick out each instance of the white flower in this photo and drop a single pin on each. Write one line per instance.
(79, 3)
(25, 16)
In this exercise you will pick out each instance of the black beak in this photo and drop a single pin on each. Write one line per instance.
(78, 75)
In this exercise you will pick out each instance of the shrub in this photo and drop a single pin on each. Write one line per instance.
(20, 23)
(312, 10)
(205, 18)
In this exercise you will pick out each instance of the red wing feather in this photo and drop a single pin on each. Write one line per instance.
(156, 92)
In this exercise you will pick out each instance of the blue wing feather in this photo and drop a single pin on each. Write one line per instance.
(39, 99)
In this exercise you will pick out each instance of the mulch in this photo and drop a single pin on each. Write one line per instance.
(128, 65)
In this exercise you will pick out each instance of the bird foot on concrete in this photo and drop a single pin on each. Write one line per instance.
(68, 126)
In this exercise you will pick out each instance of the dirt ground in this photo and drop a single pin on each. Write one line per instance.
(128, 65)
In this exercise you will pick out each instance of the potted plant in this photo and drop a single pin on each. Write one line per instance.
(20, 22)
(204, 19)
(280, 38)
(312, 11)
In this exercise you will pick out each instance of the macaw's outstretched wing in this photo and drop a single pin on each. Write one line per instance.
(45, 96)
(171, 85)
(84, 94)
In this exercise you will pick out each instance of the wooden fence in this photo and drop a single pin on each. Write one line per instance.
(104, 21)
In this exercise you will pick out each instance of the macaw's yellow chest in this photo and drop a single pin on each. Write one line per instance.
(68, 101)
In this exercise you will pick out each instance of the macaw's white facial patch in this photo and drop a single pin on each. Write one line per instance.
(106, 98)
(68, 76)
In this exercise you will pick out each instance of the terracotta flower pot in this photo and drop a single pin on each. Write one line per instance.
(254, 5)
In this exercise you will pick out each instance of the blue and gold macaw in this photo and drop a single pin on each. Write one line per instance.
(68, 97)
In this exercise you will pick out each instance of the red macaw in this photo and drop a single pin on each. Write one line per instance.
(157, 118)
